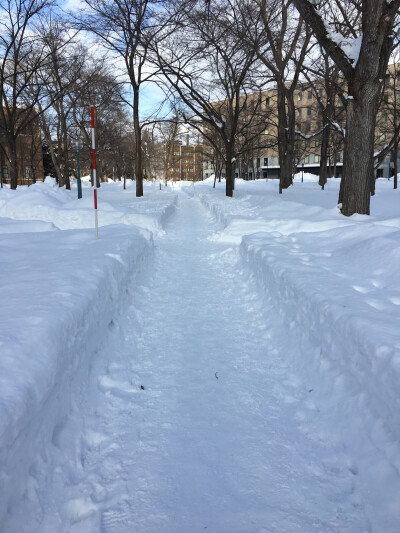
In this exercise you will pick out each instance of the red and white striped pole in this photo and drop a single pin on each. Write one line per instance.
(96, 221)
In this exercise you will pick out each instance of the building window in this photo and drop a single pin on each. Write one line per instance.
(382, 137)
(265, 161)
(266, 131)
(307, 127)
(319, 92)
(300, 96)
(316, 159)
(258, 162)
(307, 159)
(308, 110)
(267, 101)
(310, 95)
(5, 173)
(27, 173)
(299, 111)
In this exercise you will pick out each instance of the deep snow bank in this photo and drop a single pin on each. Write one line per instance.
(358, 347)
(68, 300)
(60, 291)
(336, 277)
(48, 203)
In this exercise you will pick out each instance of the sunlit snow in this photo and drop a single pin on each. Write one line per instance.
(228, 365)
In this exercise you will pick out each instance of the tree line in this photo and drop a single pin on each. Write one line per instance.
(213, 60)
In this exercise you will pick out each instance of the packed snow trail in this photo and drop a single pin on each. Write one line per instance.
(193, 419)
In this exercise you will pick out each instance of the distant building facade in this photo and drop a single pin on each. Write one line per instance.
(186, 162)
(262, 161)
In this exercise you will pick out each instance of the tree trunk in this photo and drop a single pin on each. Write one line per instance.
(286, 127)
(99, 172)
(229, 176)
(395, 169)
(331, 168)
(13, 167)
(341, 188)
(285, 173)
(372, 183)
(53, 156)
(230, 166)
(138, 142)
(323, 167)
(358, 169)
(66, 180)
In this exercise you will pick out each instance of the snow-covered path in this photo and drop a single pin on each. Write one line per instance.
(224, 436)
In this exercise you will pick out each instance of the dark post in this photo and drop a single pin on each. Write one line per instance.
(78, 146)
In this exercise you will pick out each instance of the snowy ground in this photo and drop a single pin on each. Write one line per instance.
(209, 364)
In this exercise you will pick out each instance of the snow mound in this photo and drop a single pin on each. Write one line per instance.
(338, 277)
(60, 291)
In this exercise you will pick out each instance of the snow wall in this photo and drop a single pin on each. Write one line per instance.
(43, 372)
(357, 353)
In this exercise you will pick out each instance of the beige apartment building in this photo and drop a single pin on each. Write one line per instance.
(262, 161)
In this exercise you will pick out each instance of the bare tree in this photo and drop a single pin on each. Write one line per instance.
(62, 71)
(114, 140)
(358, 36)
(282, 41)
(18, 66)
(71, 80)
(326, 84)
(210, 70)
(127, 27)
